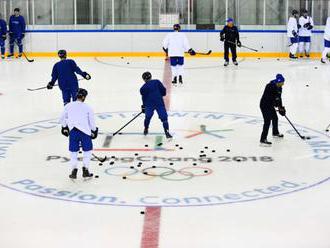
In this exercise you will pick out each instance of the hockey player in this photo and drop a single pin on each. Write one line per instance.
(16, 32)
(3, 37)
(64, 71)
(175, 45)
(292, 32)
(78, 124)
(305, 25)
(271, 98)
(326, 42)
(152, 93)
(230, 36)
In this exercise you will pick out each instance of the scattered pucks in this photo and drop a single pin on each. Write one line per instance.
(131, 167)
(159, 144)
(206, 171)
(139, 165)
(228, 150)
(177, 145)
(100, 164)
(111, 163)
(206, 147)
(113, 156)
(154, 166)
(213, 151)
(181, 148)
(96, 176)
(142, 212)
(145, 145)
(124, 177)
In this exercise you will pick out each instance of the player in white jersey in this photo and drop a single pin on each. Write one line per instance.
(175, 45)
(305, 25)
(325, 53)
(292, 32)
(79, 125)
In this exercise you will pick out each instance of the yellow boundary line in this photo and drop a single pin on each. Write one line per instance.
(161, 54)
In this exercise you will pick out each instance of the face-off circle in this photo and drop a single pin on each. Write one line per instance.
(220, 162)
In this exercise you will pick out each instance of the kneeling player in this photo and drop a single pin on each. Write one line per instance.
(152, 93)
(79, 125)
(64, 71)
(271, 99)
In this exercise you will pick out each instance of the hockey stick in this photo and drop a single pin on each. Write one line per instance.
(45, 87)
(101, 160)
(29, 60)
(208, 53)
(115, 133)
(252, 49)
(301, 136)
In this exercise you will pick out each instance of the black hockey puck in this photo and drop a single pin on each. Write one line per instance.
(258, 58)
(206, 147)
(111, 163)
(159, 144)
(181, 148)
(307, 85)
(153, 166)
(209, 160)
(228, 150)
(142, 212)
(315, 67)
(136, 154)
(213, 151)
(80, 152)
(131, 167)
(113, 157)
(177, 145)
(278, 59)
(96, 176)
(238, 160)
(145, 173)
(206, 171)
(139, 165)
(128, 63)
(100, 164)
(194, 164)
(146, 145)
(122, 57)
(120, 133)
(171, 163)
(124, 177)
(308, 137)
(201, 151)
(327, 130)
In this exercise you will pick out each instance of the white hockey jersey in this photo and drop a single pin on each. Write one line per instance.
(176, 43)
(292, 26)
(304, 31)
(78, 115)
(327, 30)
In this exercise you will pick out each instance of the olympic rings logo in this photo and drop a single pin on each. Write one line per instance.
(163, 172)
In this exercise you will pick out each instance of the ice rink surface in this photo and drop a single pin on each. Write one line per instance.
(238, 195)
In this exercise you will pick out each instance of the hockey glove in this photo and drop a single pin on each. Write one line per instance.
(95, 133)
(143, 109)
(310, 27)
(282, 110)
(239, 44)
(294, 33)
(65, 131)
(299, 26)
(191, 52)
(22, 36)
(4, 37)
(86, 76)
(50, 86)
(222, 38)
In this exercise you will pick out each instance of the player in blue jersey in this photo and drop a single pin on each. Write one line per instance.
(152, 93)
(17, 28)
(3, 37)
(65, 72)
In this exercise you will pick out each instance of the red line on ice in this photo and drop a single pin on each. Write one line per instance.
(151, 227)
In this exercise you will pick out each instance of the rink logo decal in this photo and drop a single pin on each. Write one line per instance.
(218, 178)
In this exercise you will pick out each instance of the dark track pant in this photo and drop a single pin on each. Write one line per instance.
(269, 115)
(232, 48)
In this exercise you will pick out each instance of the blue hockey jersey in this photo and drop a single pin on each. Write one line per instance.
(152, 93)
(64, 71)
(3, 27)
(17, 25)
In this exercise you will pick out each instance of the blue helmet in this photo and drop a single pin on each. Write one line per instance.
(230, 20)
(279, 79)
